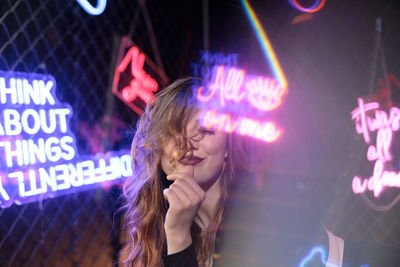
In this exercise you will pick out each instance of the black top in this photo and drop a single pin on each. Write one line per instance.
(184, 258)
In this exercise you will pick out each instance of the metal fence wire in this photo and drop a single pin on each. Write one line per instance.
(320, 51)
(61, 39)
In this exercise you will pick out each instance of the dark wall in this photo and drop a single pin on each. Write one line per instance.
(328, 61)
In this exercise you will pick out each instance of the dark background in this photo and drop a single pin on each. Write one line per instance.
(328, 61)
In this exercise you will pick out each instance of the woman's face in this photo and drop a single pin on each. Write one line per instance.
(206, 162)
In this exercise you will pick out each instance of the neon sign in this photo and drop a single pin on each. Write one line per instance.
(384, 124)
(141, 85)
(262, 93)
(233, 92)
(208, 60)
(134, 85)
(308, 260)
(314, 8)
(38, 157)
(89, 8)
(313, 252)
(267, 131)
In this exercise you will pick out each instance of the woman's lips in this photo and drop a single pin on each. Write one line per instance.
(190, 160)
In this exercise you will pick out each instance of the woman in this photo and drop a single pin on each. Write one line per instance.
(182, 175)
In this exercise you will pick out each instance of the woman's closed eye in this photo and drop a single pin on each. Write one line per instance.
(201, 133)
(207, 131)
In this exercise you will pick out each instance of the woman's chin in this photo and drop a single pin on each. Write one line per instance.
(206, 184)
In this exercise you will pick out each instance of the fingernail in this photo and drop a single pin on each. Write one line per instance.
(164, 191)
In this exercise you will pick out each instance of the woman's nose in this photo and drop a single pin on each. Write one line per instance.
(194, 143)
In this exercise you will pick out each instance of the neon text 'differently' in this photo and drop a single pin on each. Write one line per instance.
(38, 155)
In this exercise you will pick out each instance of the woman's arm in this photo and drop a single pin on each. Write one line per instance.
(185, 197)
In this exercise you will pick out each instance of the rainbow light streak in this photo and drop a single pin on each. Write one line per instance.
(265, 44)
(100, 7)
(314, 8)
(384, 125)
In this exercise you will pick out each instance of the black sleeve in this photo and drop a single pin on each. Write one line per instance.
(184, 258)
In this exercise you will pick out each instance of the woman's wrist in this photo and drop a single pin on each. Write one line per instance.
(177, 241)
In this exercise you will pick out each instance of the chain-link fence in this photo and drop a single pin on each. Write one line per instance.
(327, 57)
(78, 49)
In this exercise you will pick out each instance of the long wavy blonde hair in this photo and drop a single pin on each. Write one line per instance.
(145, 208)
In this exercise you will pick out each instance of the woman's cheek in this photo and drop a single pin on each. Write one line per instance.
(216, 144)
(166, 164)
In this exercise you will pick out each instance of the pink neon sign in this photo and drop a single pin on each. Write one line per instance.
(262, 93)
(384, 124)
(136, 77)
(267, 131)
(232, 91)
(141, 85)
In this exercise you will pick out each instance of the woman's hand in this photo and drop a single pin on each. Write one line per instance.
(185, 197)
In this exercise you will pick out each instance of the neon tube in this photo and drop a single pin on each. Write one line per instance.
(38, 155)
(384, 124)
(265, 131)
(310, 256)
(100, 7)
(262, 93)
(314, 8)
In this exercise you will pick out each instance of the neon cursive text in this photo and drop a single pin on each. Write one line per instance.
(267, 131)
(262, 93)
(384, 125)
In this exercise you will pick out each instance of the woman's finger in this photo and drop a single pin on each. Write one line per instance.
(194, 185)
(183, 196)
(172, 198)
(192, 189)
